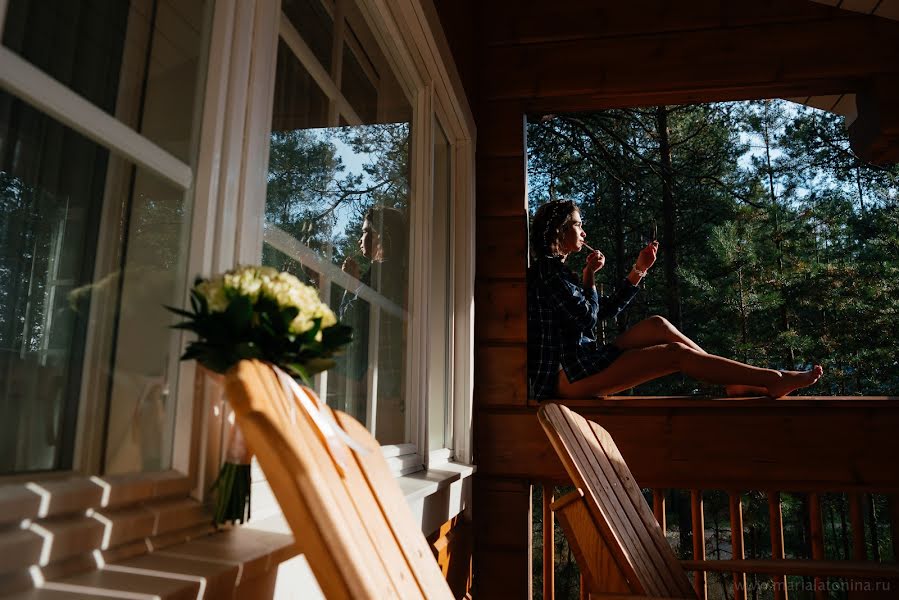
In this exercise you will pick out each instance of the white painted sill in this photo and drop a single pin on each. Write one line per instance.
(435, 496)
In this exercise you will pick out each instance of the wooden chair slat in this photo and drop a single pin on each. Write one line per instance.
(631, 498)
(298, 426)
(309, 506)
(388, 551)
(356, 530)
(650, 525)
(620, 512)
(631, 562)
(608, 493)
(413, 545)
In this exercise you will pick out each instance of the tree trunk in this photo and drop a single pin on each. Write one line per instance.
(872, 522)
(744, 336)
(843, 529)
(669, 219)
(778, 237)
(861, 192)
(833, 527)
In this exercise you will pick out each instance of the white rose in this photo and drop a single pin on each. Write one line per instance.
(214, 293)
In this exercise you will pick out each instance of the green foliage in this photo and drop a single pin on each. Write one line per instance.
(784, 245)
(232, 491)
(258, 329)
(787, 248)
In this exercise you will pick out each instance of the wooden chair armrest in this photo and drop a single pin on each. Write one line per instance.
(567, 499)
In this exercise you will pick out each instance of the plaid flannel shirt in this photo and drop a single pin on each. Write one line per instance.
(562, 320)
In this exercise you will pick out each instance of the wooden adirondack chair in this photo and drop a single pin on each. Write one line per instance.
(617, 542)
(355, 528)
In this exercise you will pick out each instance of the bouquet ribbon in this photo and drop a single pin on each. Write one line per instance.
(336, 439)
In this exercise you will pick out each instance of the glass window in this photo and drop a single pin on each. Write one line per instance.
(314, 24)
(92, 246)
(359, 90)
(337, 215)
(441, 290)
(138, 61)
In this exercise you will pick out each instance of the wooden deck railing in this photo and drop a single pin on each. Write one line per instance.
(861, 474)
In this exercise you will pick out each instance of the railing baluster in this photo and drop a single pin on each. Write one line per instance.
(699, 577)
(658, 507)
(736, 536)
(583, 595)
(549, 544)
(776, 525)
(816, 530)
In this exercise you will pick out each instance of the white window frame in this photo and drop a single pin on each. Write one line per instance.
(199, 183)
(231, 170)
(432, 93)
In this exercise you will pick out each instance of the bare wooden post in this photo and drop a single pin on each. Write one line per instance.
(736, 536)
(696, 509)
(658, 508)
(583, 595)
(776, 524)
(816, 530)
(549, 544)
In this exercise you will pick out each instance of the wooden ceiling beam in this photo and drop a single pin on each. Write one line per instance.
(768, 59)
(516, 22)
(874, 135)
(696, 95)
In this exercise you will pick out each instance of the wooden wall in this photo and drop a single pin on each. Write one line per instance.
(518, 57)
(452, 546)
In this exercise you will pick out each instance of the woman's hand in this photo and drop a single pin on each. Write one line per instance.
(351, 267)
(647, 256)
(596, 260)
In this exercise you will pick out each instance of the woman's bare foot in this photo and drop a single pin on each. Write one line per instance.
(794, 380)
(745, 390)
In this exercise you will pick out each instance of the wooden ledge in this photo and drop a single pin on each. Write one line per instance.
(674, 402)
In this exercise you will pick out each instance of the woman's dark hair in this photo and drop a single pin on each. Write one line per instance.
(390, 224)
(549, 220)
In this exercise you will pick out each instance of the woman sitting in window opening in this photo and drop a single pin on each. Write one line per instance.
(565, 360)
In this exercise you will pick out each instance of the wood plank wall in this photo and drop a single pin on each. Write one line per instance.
(452, 546)
(533, 56)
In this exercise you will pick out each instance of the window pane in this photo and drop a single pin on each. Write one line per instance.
(441, 314)
(91, 245)
(314, 25)
(61, 280)
(138, 61)
(358, 88)
(337, 216)
(299, 102)
(144, 379)
(50, 181)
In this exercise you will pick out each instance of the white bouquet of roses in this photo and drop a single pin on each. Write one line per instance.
(257, 312)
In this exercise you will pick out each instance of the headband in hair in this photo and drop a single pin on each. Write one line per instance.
(555, 208)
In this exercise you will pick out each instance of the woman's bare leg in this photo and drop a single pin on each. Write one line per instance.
(657, 330)
(653, 331)
(645, 364)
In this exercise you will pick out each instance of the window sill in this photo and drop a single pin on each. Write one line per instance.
(424, 483)
(437, 494)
